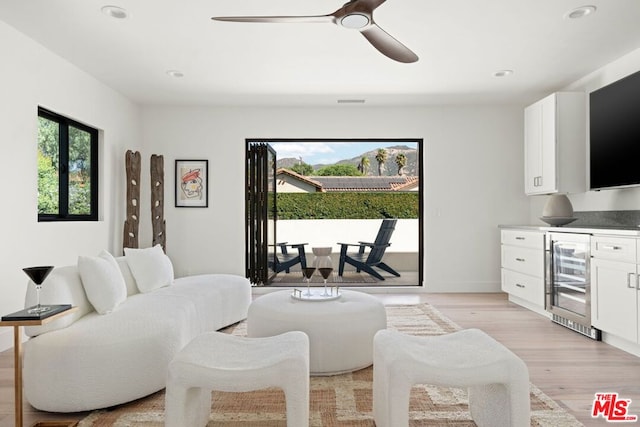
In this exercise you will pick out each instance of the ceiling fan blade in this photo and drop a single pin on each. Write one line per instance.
(277, 19)
(387, 45)
(370, 4)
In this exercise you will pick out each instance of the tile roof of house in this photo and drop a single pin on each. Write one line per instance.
(355, 183)
(411, 183)
(366, 183)
(299, 177)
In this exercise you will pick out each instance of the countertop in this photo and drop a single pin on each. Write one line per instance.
(631, 231)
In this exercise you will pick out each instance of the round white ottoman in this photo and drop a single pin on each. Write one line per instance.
(340, 331)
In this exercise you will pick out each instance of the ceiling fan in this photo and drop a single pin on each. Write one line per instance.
(356, 15)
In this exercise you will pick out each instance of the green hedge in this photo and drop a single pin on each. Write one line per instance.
(347, 205)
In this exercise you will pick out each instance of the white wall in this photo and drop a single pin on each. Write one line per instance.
(605, 200)
(473, 179)
(31, 76)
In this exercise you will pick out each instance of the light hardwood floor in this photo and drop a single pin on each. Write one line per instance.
(568, 367)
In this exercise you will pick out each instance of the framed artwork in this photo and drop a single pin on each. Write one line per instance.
(192, 183)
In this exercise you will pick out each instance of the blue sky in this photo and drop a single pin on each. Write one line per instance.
(328, 152)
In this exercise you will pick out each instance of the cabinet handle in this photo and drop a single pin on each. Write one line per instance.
(520, 238)
(519, 285)
(629, 285)
(520, 259)
(611, 247)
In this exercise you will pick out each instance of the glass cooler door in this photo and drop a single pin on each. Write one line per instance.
(570, 276)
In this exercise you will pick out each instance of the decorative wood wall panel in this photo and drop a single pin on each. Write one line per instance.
(132, 222)
(157, 201)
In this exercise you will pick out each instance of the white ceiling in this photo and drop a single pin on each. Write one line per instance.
(461, 43)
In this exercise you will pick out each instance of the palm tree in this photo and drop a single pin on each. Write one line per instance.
(401, 161)
(363, 166)
(381, 157)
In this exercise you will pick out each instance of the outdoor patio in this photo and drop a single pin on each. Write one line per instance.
(402, 255)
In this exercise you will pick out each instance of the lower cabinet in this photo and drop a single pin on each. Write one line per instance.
(523, 286)
(615, 280)
(614, 298)
(614, 274)
(523, 268)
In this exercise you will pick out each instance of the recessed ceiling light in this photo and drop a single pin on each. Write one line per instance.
(580, 12)
(115, 12)
(175, 73)
(502, 73)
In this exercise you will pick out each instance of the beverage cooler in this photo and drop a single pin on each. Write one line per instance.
(568, 287)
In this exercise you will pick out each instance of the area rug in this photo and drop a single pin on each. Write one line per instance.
(337, 401)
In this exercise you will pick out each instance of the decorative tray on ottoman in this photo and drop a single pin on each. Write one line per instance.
(329, 294)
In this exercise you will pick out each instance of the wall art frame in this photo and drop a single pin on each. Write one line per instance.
(192, 183)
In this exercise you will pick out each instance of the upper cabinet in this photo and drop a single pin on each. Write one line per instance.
(555, 144)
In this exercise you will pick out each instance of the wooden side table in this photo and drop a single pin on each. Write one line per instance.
(17, 358)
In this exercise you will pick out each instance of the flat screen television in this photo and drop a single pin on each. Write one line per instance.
(614, 127)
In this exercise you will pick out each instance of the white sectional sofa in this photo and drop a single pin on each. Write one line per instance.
(87, 360)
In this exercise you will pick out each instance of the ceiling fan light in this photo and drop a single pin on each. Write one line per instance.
(355, 21)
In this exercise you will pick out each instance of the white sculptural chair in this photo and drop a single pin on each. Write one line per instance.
(497, 380)
(223, 362)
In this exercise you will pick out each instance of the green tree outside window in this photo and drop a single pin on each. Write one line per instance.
(67, 169)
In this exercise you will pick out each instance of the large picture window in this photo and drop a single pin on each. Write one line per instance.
(67, 169)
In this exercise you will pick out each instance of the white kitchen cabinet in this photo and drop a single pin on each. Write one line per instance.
(523, 268)
(555, 144)
(614, 286)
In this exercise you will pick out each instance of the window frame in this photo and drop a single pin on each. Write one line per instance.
(421, 188)
(63, 169)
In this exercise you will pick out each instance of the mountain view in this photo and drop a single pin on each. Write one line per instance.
(390, 167)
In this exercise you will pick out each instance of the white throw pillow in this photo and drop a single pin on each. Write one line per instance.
(102, 281)
(151, 268)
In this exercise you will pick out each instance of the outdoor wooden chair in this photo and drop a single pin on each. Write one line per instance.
(287, 259)
(365, 260)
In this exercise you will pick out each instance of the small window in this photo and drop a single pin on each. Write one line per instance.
(67, 169)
